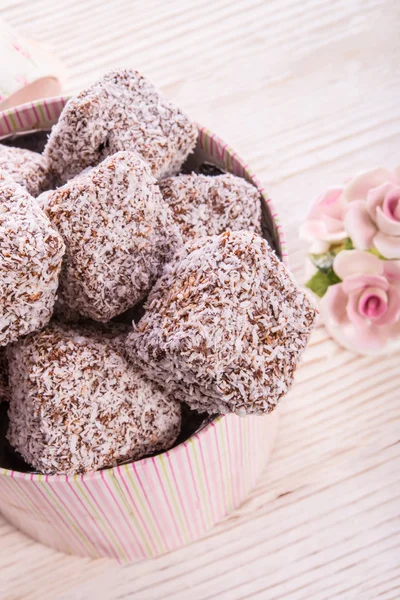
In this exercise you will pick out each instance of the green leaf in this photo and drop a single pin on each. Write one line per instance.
(348, 245)
(320, 282)
(376, 252)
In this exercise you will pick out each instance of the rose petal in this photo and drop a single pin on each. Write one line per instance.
(396, 173)
(328, 229)
(352, 310)
(356, 283)
(367, 339)
(358, 187)
(376, 197)
(356, 262)
(310, 269)
(328, 203)
(387, 245)
(395, 330)
(336, 236)
(391, 270)
(391, 203)
(354, 305)
(334, 304)
(359, 225)
(363, 340)
(325, 219)
(386, 224)
(318, 230)
(312, 229)
(318, 247)
(380, 299)
(334, 225)
(392, 313)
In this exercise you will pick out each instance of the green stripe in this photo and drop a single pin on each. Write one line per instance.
(12, 485)
(227, 478)
(177, 509)
(41, 111)
(200, 471)
(144, 508)
(13, 121)
(131, 513)
(47, 490)
(99, 517)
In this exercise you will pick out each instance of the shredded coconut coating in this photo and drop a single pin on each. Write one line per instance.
(225, 326)
(77, 405)
(25, 167)
(31, 253)
(204, 205)
(43, 198)
(121, 111)
(118, 233)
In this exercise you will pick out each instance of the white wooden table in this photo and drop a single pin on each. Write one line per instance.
(308, 92)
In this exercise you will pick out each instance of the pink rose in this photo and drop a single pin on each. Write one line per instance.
(372, 218)
(362, 312)
(325, 221)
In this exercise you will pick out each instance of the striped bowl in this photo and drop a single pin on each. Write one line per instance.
(155, 505)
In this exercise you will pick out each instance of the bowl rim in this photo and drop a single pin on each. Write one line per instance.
(42, 114)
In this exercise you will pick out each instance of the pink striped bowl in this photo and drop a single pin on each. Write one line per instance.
(155, 505)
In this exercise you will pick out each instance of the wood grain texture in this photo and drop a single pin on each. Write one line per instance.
(308, 93)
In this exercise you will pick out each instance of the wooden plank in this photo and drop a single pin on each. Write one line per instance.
(307, 94)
